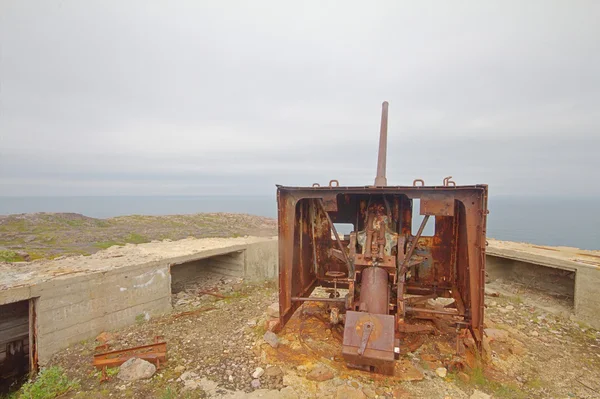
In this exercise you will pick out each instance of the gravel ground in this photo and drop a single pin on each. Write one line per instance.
(534, 351)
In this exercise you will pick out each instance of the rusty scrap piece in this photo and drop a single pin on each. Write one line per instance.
(200, 293)
(386, 270)
(193, 312)
(155, 353)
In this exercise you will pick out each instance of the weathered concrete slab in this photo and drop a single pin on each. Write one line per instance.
(585, 264)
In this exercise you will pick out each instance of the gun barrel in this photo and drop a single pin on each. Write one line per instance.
(380, 178)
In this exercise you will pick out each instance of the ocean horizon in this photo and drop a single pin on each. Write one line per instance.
(554, 221)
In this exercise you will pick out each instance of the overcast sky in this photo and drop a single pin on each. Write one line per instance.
(198, 97)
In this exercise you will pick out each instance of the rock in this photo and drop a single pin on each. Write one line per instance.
(271, 324)
(258, 372)
(105, 337)
(369, 393)
(255, 383)
(136, 369)
(273, 371)
(479, 395)
(292, 379)
(464, 377)
(487, 349)
(491, 292)
(188, 375)
(347, 392)
(320, 373)
(271, 339)
(534, 333)
(287, 393)
(179, 369)
(497, 335)
(517, 349)
(251, 323)
(441, 372)
(401, 393)
(273, 310)
(509, 307)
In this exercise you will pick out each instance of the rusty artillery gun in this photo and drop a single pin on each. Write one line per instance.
(387, 270)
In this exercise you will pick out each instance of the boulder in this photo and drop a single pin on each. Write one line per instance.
(136, 369)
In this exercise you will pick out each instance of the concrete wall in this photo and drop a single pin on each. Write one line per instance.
(262, 261)
(579, 281)
(552, 281)
(79, 308)
(75, 308)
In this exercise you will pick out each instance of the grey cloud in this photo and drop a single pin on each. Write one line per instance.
(191, 97)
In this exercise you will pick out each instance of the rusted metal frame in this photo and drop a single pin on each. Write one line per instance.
(335, 233)
(413, 245)
(286, 203)
(319, 191)
(476, 287)
(33, 350)
(314, 242)
(432, 311)
(313, 299)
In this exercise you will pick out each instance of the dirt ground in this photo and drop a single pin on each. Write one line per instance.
(215, 344)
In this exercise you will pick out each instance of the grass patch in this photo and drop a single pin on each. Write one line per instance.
(500, 390)
(135, 238)
(168, 393)
(9, 256)
(107, 244)
(516, 300)
(49, 384)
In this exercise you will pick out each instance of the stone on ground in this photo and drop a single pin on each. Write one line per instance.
(479, 395)
(273, 371)
(136, 369)
(271, 339)
(347, 392)
(441, 372)
(497, 334)
(273, 310)
(320, 373)
(258, 372)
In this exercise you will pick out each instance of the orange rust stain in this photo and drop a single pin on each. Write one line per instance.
(308, 339)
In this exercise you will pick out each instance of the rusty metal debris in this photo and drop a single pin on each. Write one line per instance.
(389, 272)
(155, 353)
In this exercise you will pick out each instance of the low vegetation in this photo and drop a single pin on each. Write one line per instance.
(50, 383)
(49, 235)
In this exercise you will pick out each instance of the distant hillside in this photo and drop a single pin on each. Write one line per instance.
(42, 235)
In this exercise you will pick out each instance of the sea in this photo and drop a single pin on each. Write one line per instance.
(573, 222)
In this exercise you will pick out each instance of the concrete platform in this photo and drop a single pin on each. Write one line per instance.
(76, 298)
(558, 269)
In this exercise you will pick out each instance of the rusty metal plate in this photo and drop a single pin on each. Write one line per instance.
(381, 340)
(437, 204)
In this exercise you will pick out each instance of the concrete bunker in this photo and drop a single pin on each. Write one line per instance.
(558, 283)
(231, 264)
(17, 343)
